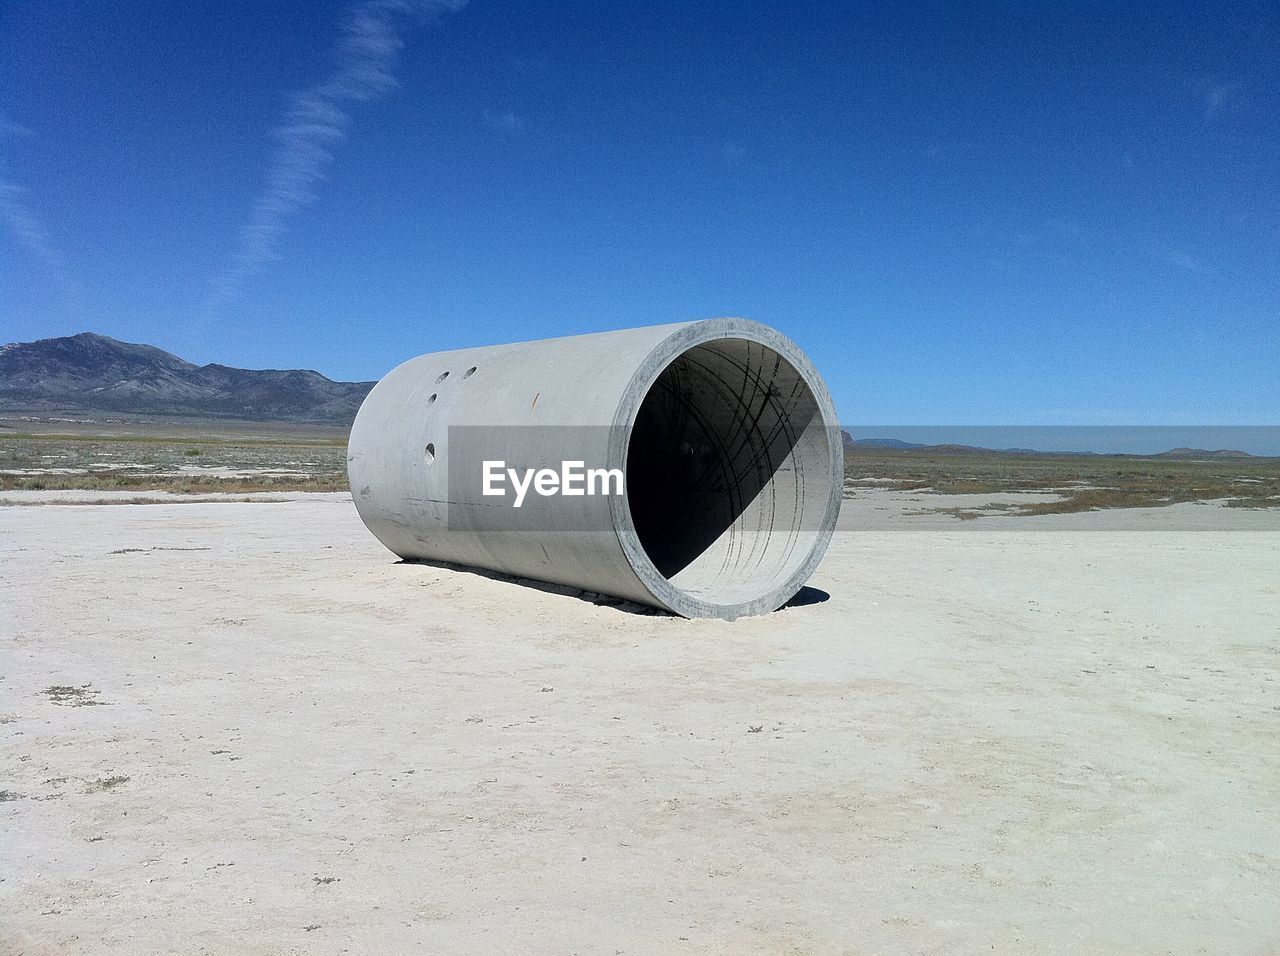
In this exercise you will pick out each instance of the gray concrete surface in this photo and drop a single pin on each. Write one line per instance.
(724, 430)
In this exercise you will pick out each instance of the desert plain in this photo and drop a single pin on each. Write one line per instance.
(234, 723)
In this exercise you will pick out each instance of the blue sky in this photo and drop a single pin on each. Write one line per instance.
(967, 213)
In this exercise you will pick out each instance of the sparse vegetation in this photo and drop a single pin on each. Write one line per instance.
(1080, 482)
(30, 462)
(306, 462)
(106, 783)
(82, 696)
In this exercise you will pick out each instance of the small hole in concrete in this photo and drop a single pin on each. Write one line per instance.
(429, 452)
(431, 399)
(443, 376)
(469, 372)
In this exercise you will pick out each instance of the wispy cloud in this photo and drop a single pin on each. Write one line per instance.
(373, 33)
(1213, 95)
(9, 128)
(1187, 262)
(25, 226)
(506, 120)
(29, 232)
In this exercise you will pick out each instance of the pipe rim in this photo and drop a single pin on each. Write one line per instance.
(655, 363)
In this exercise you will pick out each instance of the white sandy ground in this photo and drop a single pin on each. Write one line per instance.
(987, 738)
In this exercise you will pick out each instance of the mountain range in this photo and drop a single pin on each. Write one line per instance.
(92, 374)
(897, 444)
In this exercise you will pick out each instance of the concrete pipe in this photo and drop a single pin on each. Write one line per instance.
(723, 430)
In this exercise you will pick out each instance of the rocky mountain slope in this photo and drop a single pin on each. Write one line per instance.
(93, 374)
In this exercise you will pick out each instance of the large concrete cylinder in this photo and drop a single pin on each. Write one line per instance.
(723, 429)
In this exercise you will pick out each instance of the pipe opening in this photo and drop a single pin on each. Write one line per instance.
(729, 472)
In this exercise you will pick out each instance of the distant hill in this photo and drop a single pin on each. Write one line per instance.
(896, 444)
(850, 441)
(1184, 453)
(93, 374)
